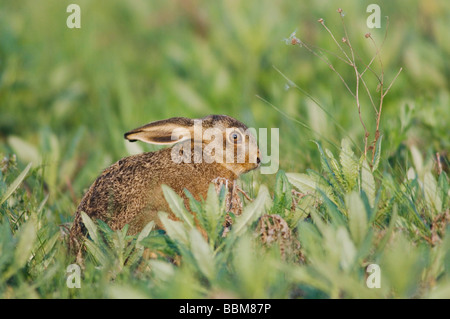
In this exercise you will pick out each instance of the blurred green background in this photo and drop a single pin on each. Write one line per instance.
(68, 95)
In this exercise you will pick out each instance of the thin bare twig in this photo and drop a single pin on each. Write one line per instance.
(393, 80)
(358, 78)
(439, 164)
(330, 66)
(329, 52)
(351, 60)
(244, 193)
(321, 21)
(368, 67)
(369, 94)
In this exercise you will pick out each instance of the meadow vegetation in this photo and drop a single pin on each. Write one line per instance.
(363, 175)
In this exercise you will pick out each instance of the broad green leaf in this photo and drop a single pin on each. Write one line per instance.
(91, 227)
(432, 193)
(348, 250)
(212, 211)
(310, 238)
(302, 182)
(175, 229)
(377, 155)
(417, 160)
(357, 217)
(349, 163)
(248, 267)
(51, 159)
(283, 200)
(176, 204)
(252, 211)
(19, 253)
(162, 270)
(25, 151)
(202, 253)
(194, 204)
(403, 266)
(333, 210)
(278, 190)
(323, 160)
(97, 253)
(119, 243)
(16, 183)
(323, 184)
(312, 184)
(212, 200)
(333, 179)
(368, 182)
(335, 168)
(144, 233)
(27, 236)
(282, 186)
(444, 187)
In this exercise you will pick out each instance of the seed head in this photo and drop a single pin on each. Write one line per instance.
(293, 40)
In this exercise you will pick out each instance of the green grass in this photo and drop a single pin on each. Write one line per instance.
(67, 96)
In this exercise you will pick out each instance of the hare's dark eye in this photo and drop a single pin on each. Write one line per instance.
(235, 137)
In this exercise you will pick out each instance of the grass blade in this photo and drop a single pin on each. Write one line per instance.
(91, 227)
(377, 155)
(11, 189)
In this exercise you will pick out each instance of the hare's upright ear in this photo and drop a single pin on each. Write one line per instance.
(170, 131)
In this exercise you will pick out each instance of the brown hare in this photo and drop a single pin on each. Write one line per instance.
(129, 191)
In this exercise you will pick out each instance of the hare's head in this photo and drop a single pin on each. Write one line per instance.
(218, 139)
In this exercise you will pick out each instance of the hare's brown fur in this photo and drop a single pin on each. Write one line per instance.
(129, 191)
